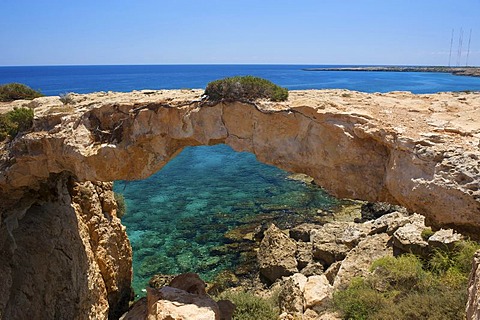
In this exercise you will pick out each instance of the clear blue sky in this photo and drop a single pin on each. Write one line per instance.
(54, 32)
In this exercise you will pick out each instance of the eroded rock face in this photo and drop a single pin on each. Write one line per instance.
(66, 259)
(420, 151)
(473, 303)
(276, 255)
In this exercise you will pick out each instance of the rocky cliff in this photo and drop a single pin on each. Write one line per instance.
(420, 151)
(66, 256)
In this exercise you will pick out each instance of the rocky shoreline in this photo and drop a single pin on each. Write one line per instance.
(65, 254)
(458, 71)
(302, 267)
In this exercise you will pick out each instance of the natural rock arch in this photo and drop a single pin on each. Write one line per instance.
(355, 145)
(346, 150)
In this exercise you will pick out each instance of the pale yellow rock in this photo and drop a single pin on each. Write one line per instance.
(170, 303)
(317, 291)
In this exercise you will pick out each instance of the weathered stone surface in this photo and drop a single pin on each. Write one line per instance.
(312, 269)
(444, 238)
(189, 282)
(291, 294)
(332, 241)
(95, 204)
(473, 303)
(409, 237)
(332, 271)
(170, 303)
(304, 254)
(276, 255)
(302, 231)
(317, 292)
(388, 223)
(358, 145)
(66, 260)
(359, 260)
(137, 312)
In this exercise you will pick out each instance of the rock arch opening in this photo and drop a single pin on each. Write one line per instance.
(204, 211)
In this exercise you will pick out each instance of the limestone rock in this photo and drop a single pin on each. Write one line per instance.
(137, 312)
(445, 238)
(409, 237)
(359, 260)
(71, 261)
(388, 223)
(303, 254)
(302, 231)
(170, 303)
(276, 255)
(317, 292)
(189, 282)
(332, 271)
(291, 294)
(312, 269)
(332, 241)
(473, 303)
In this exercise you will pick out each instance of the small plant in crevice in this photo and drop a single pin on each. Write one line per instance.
(17, 91)
(15, 121)
(67, 98)
(244, 88)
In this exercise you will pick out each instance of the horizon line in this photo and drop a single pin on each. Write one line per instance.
(235, 64)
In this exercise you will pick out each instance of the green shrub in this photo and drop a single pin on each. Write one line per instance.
(249, 306)
(427, 233)
(121, 205)
(404, 272)
(67, 98)
(360, 301)
(17, 91)
(407, 287)
(463, 255)
(243, 88)
(14, 121)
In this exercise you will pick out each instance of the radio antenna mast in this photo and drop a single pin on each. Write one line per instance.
(451, 46)
(460, 42)
(468, 50)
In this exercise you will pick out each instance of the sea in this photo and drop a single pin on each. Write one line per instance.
(184, 218)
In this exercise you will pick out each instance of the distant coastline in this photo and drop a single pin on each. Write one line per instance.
(459, 71)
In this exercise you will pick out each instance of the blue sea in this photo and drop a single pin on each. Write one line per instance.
(178, 220)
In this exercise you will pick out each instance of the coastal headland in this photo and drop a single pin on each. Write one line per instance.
(58, 216)
(458, 71)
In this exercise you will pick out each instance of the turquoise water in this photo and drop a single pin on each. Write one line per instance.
(177, 218)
